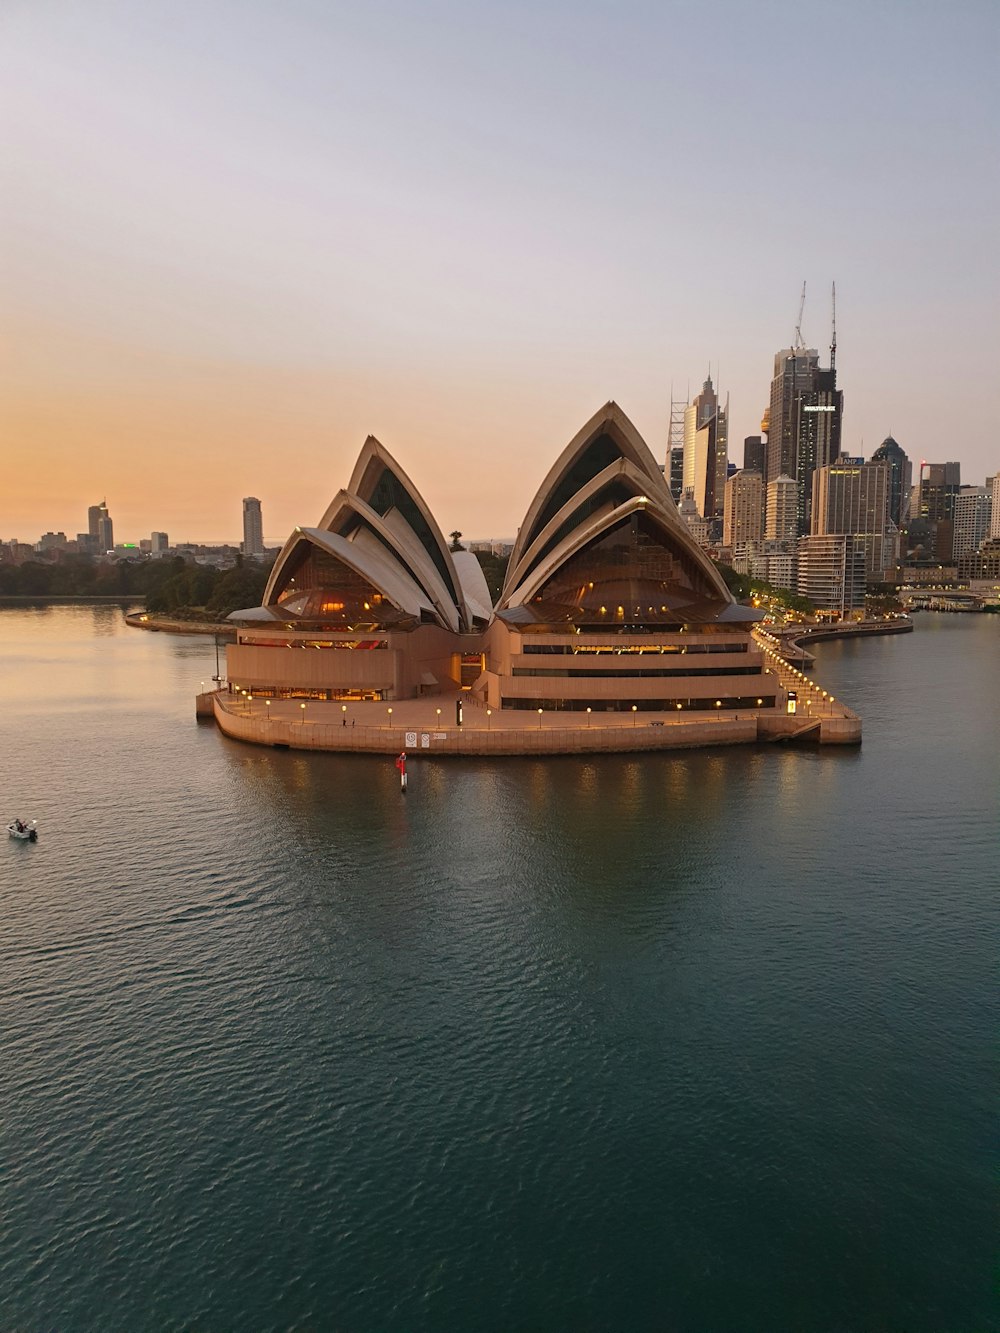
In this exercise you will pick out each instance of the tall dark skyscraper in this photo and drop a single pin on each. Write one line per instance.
(900, 479)
(754, 454)
(804, 422)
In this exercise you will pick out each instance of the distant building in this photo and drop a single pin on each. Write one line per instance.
(981, 564)
(754, 454)
(675, 472)
(937, 488)
(102, 530)
(900, 479)
(743, 512)
(994, 485)
(699, 527)
(51, 541)
(831, 573)
(781, 521)
(853, 496)
(253, 527)
(159, 543)
(973, 512)
(804, 423)
(706, 451)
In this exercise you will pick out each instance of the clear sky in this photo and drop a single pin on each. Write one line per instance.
(238, 236)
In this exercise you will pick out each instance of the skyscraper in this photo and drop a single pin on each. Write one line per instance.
(994, 484)
(743, 517)
(851, 496)
(706, 451)
(781, 522)
(973, 512)
(754, 454)
(101, 529)
(900, 479)
(804, 422)
(935, 505)
(253, 527)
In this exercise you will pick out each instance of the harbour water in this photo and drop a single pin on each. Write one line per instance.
(701, 1041)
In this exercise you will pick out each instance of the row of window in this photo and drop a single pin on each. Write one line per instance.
(588, 673)
(566, 649)
(719, 705)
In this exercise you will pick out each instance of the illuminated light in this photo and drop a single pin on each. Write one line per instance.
(718, 703)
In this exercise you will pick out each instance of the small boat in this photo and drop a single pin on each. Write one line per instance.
(25, 832)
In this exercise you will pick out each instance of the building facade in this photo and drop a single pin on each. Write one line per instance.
(831, 573)
(706, 451)
(781, 513)
(804, 423)
(937, 487)
(900, 479)
(743, 512)
(973, 515)
(852, 496)
(253, 527)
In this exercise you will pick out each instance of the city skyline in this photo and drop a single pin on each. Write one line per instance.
(237, 241)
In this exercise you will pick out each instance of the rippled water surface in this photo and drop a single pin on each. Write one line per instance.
(700, 1042)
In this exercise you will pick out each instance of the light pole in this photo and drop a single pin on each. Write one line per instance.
(267, 705)
(635, 713)
(589, 711)
(303, 719)
(489, 715)
(390, 717)
(539, 719)
(343, 715)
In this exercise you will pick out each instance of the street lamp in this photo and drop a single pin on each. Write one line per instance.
(390, 716)
(539, 719)
(489, 714)
(588, 716)
(303, 707)
(635, 713)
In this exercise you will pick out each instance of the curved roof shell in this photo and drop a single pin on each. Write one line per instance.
(606, 478)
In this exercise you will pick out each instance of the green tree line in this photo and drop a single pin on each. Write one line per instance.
(173, 586)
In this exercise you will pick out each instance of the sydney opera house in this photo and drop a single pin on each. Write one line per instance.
(608, 604)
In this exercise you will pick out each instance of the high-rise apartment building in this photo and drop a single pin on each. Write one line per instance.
(253, 527)
(743, 512)
(994, 485)
(706, 451)
(754, 454)
(852, 496)
(159, 543)
(781, 521)
(973, 514)
(804, 422)
(831, 573)
(938, 485)
(900, 479)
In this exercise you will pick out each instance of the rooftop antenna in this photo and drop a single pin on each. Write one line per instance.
(833, 333)
(799, 344)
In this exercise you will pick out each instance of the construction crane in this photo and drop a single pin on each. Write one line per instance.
(833, 332)
(799, 344)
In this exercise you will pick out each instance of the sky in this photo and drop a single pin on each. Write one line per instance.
(238, 236)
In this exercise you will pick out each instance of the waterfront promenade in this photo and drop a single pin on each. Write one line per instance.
(428, 725)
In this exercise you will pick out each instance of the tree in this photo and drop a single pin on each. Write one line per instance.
(456, 541)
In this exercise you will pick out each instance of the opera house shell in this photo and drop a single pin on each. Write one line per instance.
(608, 603)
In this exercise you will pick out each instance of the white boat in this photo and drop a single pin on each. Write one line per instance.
(25, 832)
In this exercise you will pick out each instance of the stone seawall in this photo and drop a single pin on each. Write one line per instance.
(555, 737)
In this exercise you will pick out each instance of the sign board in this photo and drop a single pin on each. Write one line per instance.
(425, 740)
(411, 739)
(440, 735)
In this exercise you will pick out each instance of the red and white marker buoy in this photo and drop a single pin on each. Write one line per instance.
(401, 765)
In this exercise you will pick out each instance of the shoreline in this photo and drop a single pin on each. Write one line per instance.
(167, 625)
